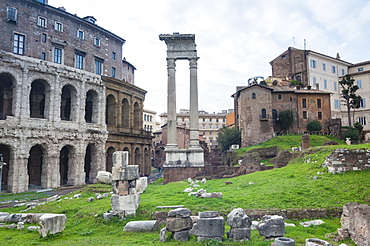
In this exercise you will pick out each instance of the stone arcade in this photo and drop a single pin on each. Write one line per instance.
(182, 46)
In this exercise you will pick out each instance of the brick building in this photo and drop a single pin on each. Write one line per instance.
(62, 81)
(258, 122)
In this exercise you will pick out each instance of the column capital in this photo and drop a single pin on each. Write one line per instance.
(171, 63)
(193, 62)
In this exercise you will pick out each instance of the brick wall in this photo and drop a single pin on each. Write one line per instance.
(343, 160)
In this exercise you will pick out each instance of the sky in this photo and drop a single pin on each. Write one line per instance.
(236, 39)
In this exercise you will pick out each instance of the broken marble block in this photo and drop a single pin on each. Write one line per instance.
(208, 227)
(104, 177)
(240, 225)
(52, 224)
(179, 220)
(129, 172)
(271, 226)
(125, 204)
(143, 225)
(141, 184)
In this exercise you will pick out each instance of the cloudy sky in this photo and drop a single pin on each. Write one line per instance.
(236, 39)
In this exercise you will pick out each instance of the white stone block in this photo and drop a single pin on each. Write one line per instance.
(141, 184)
(52, 224)
(125, 203)
(104, 177)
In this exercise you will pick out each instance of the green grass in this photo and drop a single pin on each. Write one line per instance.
(288, 187)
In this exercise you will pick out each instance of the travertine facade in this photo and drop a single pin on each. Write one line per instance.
(58, 74)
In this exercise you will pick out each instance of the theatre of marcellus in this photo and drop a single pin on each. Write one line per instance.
(67, 99)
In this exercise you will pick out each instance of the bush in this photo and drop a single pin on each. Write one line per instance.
(351, 133)
(314, 126)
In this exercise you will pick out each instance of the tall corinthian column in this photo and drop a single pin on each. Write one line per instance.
(171, 104)
(194, 118)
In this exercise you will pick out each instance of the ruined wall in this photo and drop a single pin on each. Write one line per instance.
(344, 160)
(60, 141)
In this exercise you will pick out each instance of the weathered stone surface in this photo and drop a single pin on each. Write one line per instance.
(129, 172)
(52, 224)
(52, 198)
(3, 216)
(90, 199)
(237, 218)
(104, 177)
(272, 226)
(282, 159)
(212, 195)
(208, 214)
(209, 227)
(15, 218)
(316, 242)
(356, 220)
(179, 212)
(20, 226)
(181, 235)
(284, 241)
(163, 234)
(143, 225)
(11, 226)
(33, 228)
(239, 234)
(311, 222)
(175, 224)
(141, 184)
(120, 158)
(108, 216)
(212, 238)
(128, 203)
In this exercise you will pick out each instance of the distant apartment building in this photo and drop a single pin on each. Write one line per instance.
(324, 72)
(257, 109)
(209, 124)
(150, 123)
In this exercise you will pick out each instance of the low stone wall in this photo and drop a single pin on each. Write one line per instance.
(295, 213)
(344, 160)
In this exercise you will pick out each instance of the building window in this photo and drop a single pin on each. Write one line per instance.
(113, 72)
(18, 44)
(363, 103)
(97, 41)
(299, 78)
(223, 120)
(291, 99)
(41, 21)
(11, 14)
(204, 119)
(325, 84)
(337, 104)
(58, 55)
(283, 57)
(274, 114)
(324, 67)
(210, 119)
(318, 103)
(304, 103)
(79, 60)
(343, 72)
(333, 69)
(362, 121)
(360, 69)
(59, 26)
(313, 63)
(279, 97)
(43, 56)
(113, 56)
(80, 34)
(98, 66)
(210, 133)
(305, 115)
(359, 83)
(335, 86)
(319, 115)
(263, 114)
(43, 37)
(253, 95)
(314, 81)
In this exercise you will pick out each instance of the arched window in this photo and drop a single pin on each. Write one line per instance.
(110, 112)
(34, 166)
(91, 107)
(136, 116)
(274, 114)
(253, 95)
(109, 159)
(65, 107)
(125, 113)
(37, 100)
(6, 95)
(263, 114)
(279, 97)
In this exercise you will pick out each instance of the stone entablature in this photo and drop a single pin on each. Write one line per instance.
(344, 160)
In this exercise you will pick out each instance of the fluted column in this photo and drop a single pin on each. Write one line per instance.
(194, 118)
(171, 104)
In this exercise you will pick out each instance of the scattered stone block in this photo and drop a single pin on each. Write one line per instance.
(175, 224)
(163, 235)
(11, 226)
(207, 238)
(20, 226)
(208, 214)
(271, 226)
(52, 198)
(212, 195)
(99, 196)
(77, 196)
(284, 241)
(108, 216)
(239, 234)
(3, 216)
(141, 184)
(238, 219)
(104, 177)
(181, 235)
(143, 225)
(33, 228)
(179, 212)
(52, 224)
(209, 227)
(316, 242)
(128, 203)
(311, 222)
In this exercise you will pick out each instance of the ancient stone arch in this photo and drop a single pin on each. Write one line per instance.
(91, 107)
(111, 110)
(5, 150)
(125, 121)
(68, 103)
(39, 99)
(35, 166)
(6, 95)
(109, 159)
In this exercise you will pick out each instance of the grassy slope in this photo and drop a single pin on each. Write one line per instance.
(288, 187)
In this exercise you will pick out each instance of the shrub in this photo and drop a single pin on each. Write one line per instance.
(351, 133)
(314, 126)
